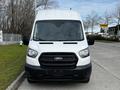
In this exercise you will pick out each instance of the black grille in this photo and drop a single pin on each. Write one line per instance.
(58, 60)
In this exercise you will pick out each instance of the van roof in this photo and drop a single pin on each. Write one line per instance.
(57, 15)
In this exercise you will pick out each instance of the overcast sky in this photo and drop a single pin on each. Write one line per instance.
(86, 6)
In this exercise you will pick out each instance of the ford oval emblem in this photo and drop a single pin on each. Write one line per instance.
(58, 58)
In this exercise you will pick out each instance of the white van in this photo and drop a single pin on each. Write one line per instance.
(58, 48)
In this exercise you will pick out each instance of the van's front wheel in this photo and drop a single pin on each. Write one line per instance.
(30, 79)
(85, 80)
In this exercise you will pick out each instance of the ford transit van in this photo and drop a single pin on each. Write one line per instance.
(58, 48)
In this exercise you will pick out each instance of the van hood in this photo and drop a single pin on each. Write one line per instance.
(58, 46)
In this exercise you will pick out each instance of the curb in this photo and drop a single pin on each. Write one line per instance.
(15, 84)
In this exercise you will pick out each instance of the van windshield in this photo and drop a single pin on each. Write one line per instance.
(58, 30)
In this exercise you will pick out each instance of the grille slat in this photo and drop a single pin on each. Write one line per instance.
(65, 60)
(56, 64)
(52, 61)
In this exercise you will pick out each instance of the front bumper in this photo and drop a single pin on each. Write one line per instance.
(79, 73)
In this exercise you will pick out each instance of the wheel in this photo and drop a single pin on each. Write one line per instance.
(30, 79)
(86, 80)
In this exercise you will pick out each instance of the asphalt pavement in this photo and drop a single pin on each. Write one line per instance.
(105, 75)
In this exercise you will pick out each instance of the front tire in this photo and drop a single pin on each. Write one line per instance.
(30, 79)
(87, 80)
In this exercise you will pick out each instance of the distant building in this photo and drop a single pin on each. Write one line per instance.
(114, 30)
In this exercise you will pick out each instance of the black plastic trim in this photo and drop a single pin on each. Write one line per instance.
(79, 73)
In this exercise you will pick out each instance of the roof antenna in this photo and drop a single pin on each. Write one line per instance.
(70, 8)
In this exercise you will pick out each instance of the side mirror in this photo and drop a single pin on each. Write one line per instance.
(90, 39)
(25, 41)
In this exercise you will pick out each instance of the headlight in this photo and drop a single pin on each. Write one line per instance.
(84, 53)
(32, 53)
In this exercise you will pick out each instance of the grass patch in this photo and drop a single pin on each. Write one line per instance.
(12, 59)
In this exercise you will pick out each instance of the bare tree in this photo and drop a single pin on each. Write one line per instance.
(107, 18)
(117, 14)
(19, 15)
(2, 8)
(45, 4)
(93, 19)
(86, 23)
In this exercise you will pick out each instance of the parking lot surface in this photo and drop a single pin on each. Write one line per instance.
(105, 75)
